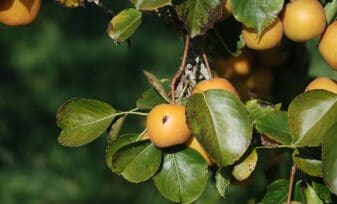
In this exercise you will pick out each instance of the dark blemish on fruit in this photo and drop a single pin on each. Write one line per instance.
(165, 118)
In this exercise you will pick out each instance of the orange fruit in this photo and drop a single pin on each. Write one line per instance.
(194, 144)
(303, 20)
(322, 83)
(269, 38)
(166, 125)
(215, 83)
(18, 12)
(328, 45)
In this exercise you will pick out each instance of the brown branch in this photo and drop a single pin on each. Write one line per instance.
(181, 68)
(291, 183)
(204, 56)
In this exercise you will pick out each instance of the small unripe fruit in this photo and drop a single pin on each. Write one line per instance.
(322, 83)
(215, 83)
(18, 12)
(166, 125)
(269, 38)
(328, 45)
(194, 144)
(303, 20)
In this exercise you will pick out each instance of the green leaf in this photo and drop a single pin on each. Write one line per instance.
(310, 116)
(318, 67)
(199, 15)
(322, 191)
(222, 181)
(298, 193)
(312, 167)
(221, 124)
(156, 83)
(150, 4)
(149, 99)
(137, 161)
(71, 3)
(257, 14)
(311, 196)
(277, 192)
(115, 145)
(183, 176)
(244, 169)
(258, 108)
(124, 24)
(275, 126)
(83, 121)
(329, 158)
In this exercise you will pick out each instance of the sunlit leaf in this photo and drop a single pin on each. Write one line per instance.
(257, 14)
(222, 181)
(183, 176)
(322, 191)
(329, 158)
(275, 126)
(150, 4)
(311, 196)
(124, 24)
(310, 116)
(82, 121)
(277, 192)
(137, 161)
(199, 15)
(312, 167)
(149, 99)
(220, 122)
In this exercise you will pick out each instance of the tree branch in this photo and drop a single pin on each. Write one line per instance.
(181, 68)
(205, 59)
(291, 183)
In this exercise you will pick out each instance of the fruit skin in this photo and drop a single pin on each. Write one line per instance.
(166, 125)
(215, 83)
(235, 66)
(19, 12)
(322, 83)
(194, 144)
(328, 45)
(303, 20)
(269, 38)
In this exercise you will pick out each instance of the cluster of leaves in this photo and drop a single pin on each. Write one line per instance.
(224, 126)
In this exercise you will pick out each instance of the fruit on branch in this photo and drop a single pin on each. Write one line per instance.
(215, 83)
(269, 38)
(303, 20)
(328, 45)
(166, 125)
(18, 12)
(227, 11)
(322, 83)
(235, 66)
(194, 144)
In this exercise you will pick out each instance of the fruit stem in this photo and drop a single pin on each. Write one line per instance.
(204, 56)
(291, 183)
(181, 68)
(330, 10)
(133, 111)
(141, 134)
(235, 54)
(184, 90)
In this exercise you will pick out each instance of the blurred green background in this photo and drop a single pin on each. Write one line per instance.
(65, 53)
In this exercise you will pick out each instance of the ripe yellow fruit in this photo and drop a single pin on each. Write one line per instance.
(322, 83)
(269, 38)
(194, 144)
(328, 45)
(235, 66)
(18, 12)
(215, 83)
(166, 125)
(303, 20)
(227, 11)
